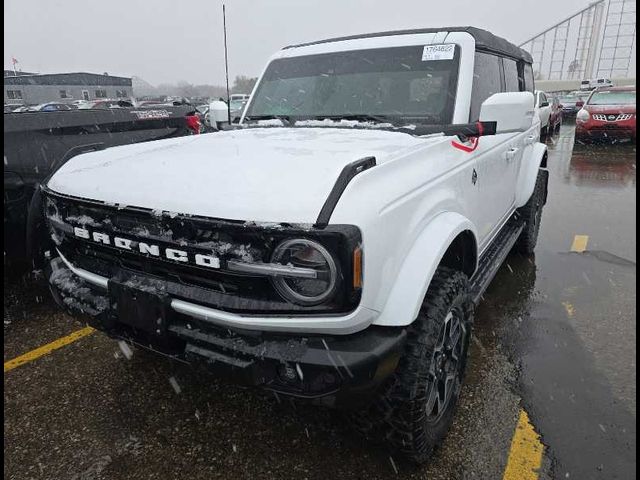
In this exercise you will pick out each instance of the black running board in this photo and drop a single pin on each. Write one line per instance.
(494, 257)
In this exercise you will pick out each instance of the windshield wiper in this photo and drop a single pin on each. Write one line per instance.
(361, 117)
(285, 119)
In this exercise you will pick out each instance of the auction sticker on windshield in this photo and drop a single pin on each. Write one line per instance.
(438, 52)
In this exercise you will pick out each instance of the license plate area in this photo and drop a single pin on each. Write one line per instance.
(140, 303)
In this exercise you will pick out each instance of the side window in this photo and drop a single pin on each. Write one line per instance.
(543, 98)
(101, 94)
(512, 84)
(486, 81)
(528, 78)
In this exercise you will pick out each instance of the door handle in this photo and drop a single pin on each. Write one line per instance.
(511, 153)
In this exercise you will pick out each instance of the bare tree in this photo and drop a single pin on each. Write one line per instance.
(243, 84)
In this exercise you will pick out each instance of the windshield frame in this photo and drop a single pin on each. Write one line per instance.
(395, 120)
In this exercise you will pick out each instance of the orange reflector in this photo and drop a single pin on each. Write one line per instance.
(357, 267)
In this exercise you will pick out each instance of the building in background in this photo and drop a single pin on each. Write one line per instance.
(33, 89)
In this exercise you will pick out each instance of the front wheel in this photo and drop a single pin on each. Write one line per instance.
(414, 411)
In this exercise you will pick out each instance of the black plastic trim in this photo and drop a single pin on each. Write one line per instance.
(348, 172)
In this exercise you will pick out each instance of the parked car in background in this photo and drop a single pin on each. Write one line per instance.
(555, 117)
(11, 107)
(595, 83)
(104, 104)
(50, 107)
(150, 103)
(543, 110)
(33, 149)
(608, 115)
(237, 107)
(23, 108)
(572, 102)
(202, 111)
(239, 96)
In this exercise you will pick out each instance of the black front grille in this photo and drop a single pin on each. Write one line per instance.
(227, 240)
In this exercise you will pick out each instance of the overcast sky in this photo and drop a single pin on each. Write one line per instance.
(170, 40)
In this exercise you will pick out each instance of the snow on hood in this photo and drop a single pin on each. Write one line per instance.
(256, 174)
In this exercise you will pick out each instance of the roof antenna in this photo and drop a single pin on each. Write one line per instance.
(226, 63)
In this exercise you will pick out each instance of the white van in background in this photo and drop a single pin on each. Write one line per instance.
(595, 83)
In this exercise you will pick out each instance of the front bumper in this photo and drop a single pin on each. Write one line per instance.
(330, 369)
(599, 130)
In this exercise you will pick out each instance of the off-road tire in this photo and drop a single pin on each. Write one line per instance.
(531, 213)
(398, 416)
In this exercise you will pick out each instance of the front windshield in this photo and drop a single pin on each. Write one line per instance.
(612, 97)
(390, 83)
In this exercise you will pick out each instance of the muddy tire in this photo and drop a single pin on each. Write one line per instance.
(531, 212)
(415, 409)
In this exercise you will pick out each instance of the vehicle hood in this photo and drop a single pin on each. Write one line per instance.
(254, 174)
(611, 108)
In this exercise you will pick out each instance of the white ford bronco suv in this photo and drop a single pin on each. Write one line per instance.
(333, 245)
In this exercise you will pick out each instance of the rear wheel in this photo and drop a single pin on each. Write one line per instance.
(414, 411)
(531, 213)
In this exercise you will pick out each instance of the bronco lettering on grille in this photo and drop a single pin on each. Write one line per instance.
(173, 254)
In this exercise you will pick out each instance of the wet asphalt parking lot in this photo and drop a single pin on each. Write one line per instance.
(555, 336)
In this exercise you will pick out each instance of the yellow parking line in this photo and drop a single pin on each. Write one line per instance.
(579, 243)
(46, 349)
(525, 454)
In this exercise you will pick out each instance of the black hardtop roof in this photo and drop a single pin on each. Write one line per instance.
(484, 40)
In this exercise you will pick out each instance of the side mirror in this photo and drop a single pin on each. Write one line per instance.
(218, 112)
(544, 104)
(512, 111)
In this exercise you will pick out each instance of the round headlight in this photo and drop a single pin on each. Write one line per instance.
(583, 115)
(303, 253)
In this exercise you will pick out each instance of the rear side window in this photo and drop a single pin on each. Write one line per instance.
(542, 99)
(486, 81)
(528, 78)
(512, 83)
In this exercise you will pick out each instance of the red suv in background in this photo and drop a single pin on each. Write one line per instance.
(609, 114)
